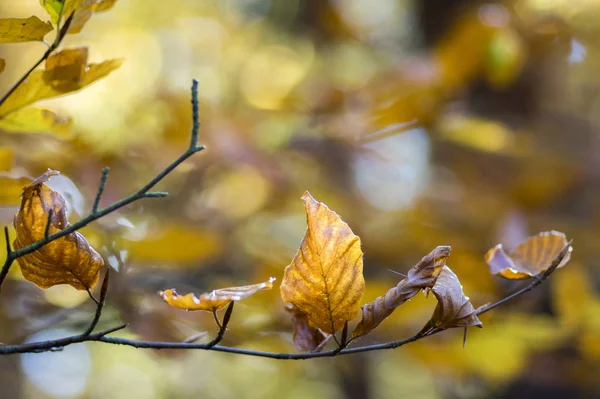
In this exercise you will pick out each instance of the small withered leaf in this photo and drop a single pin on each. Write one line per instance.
(67, 260)
(530, 258)
(422, 276)
(325, 278)
(454, 308)
(306, 338)
(214, 300)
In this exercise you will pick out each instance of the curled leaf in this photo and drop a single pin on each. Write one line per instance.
(325, 279)
(306, 338)
(214, 300)
(67, 260)
(454, 308)
(530, 258)
(32, 29)
(422, 276)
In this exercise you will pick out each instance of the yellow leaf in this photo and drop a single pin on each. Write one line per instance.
(2, 65)
(422, 276)
(36, 88)
(6, 159)
(32, 29)
(65, 69)
(11, 189)
(306, 338)
(529, 258)
(176, 243)
(104, 5)
(36, 120)
(67, 260)
(70, 7)
(454, 308)
(325, 279)
(85, 11)
(506, 58)
(477, 133)
(214, 300)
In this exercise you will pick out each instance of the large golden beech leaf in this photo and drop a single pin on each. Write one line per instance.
(36, 120)
(529, 258)
(65, 74)
(421, 277)
(325, 279)
(305, 338)
(214, 300)
(32, 29)
(454, 308)
(67, 260)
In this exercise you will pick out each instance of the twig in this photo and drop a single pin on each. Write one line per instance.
(103, 292)
(101, 186)
(195, 337)
(101, 336)
(223, 325)
(48, 224)
(57, 41)
(141, 193)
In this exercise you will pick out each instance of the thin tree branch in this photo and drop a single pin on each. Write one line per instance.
(102, 336)
(141, 193)
(103, 292)
(103, 180)
(57, 41)
(223, 325)
(48, 224)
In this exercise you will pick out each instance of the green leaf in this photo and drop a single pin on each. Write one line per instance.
(54, 8)
(15, 30)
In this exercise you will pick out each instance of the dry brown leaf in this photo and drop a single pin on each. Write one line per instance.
(325, 279)
(67, 260)
(2, 64)
(306, 338)
(214, 300)
(36, 88)
(454, 308)
(32, 29)
(422, 276)
(529, 258)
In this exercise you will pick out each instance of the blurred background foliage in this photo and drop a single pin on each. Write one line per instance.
(423, 123)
